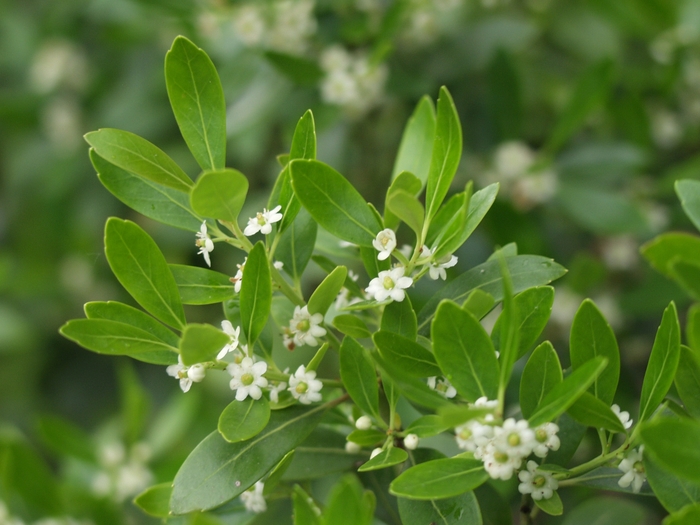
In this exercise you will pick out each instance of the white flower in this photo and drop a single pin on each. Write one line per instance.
(253, 498)
(624, 417)
(375, 452)
(275, 391)
(335, 58)
(437, 268)
(389, 284)
(343, 299)
(473, 436)
(513, 159)
(363, 423)
(278, 265)
(247, 378)
(534, 188)
(500, 464)
(410, 442)
(538, 483)
(633, 469)
(304, 386)
(263, 221)
(233, 333)
(185, 374)
(546, 439)
(352, 448)
(385, 243)
(249, 24)
(484, 402)
(514, 438)
(204, 243)
(305, 327)
(237, 279)
(620, 252)
(442, 386)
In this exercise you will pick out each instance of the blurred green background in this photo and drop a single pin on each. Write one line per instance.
(584, 111)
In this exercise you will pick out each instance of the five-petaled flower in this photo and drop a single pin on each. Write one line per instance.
(233, 333)
(623, 416)
(437, 268)
(633, 469)
(253, 498)
(247, 378)
(389, 284)
(538, 483)
(186, 374)
(385, 243)
(304, 327)
(304, 386)
(263, 221)
(237, 279)
(204, 243)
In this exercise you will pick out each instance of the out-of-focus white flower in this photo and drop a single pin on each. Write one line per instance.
(389, 284)
(294, 23)
(253, 498)
(352, 448)
(663, 47)
(233, 334)
(624, 417)
(666, 128)
(633, 469)
(278, 265)
(513, 159)
(123, 475)
(566, 303)
(534, 188)
(363, 423)
(249, 24)
(61, 122)
(385, 243)
(263, 221)
(538, 483)
(304, 386)
(620, 252)
(306, 327)
(204, 243)
(607, 304)
(186, 374)
(59, 63)
(442, 386)
(546, 439)
(343, 299)
(247, 378)
(437, 268)
(335, 58)
(410, 442)
(275, 391)
(237, 279)
(472, 436)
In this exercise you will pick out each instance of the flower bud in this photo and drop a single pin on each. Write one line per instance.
(410, 442)
(363, 423)
(352, 448)
(196, 372)
(375, 452)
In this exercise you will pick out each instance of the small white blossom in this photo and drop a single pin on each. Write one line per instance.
(294, 23)
(185, 374)
(390, 284)
(500, 464)
(620, 252)
(473, 436)
(352, 448)
(253, 498)
(233, 333)
(122, 475)
(547, 439)
(275, 391)
(304, 386)
(624, 417)
(437, 268)
(534, 188)
(237, 279)
(442, 386)
(513, 159)
(375, 452)
(249, 24)
(305, 327)
(484, 402)
(335, 58)
(204, 243)
(514, 438)
(538, 483)
(247, 378)
(385, 243)
(633, 469)
(278, 265)
(410, 442)
(263, 221)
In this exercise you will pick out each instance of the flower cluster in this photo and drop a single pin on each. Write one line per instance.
(122, 475)
(187, 374)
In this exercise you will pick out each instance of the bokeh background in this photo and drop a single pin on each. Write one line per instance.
(584, 111)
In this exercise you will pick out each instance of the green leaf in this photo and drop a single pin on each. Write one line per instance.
(256, 293)
(217, 471)
(591, 336)
(318, 357)
(673, 492)
(328, 266)
(412, 388)
(552, 506)
(136, 155)
(405, 356)
(663, 363)
(142, 270)
(197, 99)
(201, 343)
(454, 415)
(449, 511)
(681, 456)
(595, 413)
(440, 478)
(154, 501)
(326, 292)
(509, 338)
(220, 194)
(450, 237)
(688, 192)
(446, 154)
(347, 504)
(201, 285)
(687, 274)
(692, 327)
(415, 150)
(135, 402)
(606, 511)
(333, 202)
(407, 182)
(373, 265)
(540, 375)
(301, 70)
(407, 208)
(114, 338)
(65, 438)
(386, 458)
(526, 271)
(465, 353)
(663, 251)
(351, 325)
(570, 435)
(304, 139)
(305, 510)
(479, 303)
(151, 199)
(565, 394)
(359, 376)
(322, 454)
(504, 96)
(689, 515)
(243, 420)
(426, 426)
(449, 213)
(296, 244)
(275, 475)
(367, 438)
(122, 313)
(687, 380)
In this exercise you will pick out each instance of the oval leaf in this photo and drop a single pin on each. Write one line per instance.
(688, 380)
(593, 412)
(242, 420)
(359, 376)
(155, 500)
(683, 457)
(541, 374)
(122, 313)
(400, 318)
(201, 285)
(440, 478)
(386, 458)
(405, 356)
(200, 343)
(449, 511)
(256, 293)
(324, 296)
(673, 492)
(415, 150)
(688, 192)
(220, 194)
(351, 325)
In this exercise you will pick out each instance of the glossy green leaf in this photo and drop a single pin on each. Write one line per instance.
(326, 292)
(440, 478)
(201, 343)
(386, 458)
(605, 511)
(687, 274)
(305, 510)
(664, 250)
(405, 356)
(140, 267)
(359, 376)
(275, 475)
(373, 265)
(673, 492)
(122, 313)
(333, 202)
(592, 336)
(322, 454)
(407, 208)
(687, 380)
(663, 363)
(565, 394)
(346, 504)
(197, 99)
(220, 194)
(570, 434)
(509, 339)
(136, 155)
(464, 352)
(689, 515)
(446, 154)
(217, 471)
(367, 438)
(351, 325)
(242, 420)
(296, 244)
(415, 150)
(450, 237)
(149, 198)
(595, 413)
(256, 293)
(412, 388)
(404, 181)
(479, 303)
(114, 338)
(526, 271)
(688, 192)
(457, 510)
(552, 506)
(201, 285)
(65, 438)
(155, 500)
(426, 426)
(453, 415)
(541, 374)
(683, 457)
(450, 212)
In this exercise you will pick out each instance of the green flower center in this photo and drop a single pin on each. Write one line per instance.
(261, 219)
(301, 388)
(539, 481)
(501, 457)
(384, 241)
(514, 439)
(465, 434)
(638, 466)
(388, 283)
(304, 325)
(247, 379)
(541, 435)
